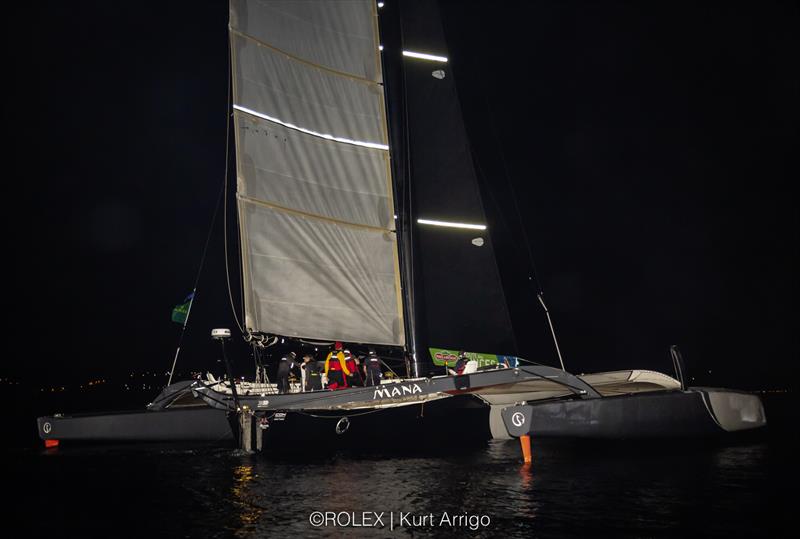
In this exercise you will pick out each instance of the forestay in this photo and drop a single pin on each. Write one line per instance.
(314, 187)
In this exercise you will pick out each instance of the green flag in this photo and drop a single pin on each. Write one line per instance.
(181, 312)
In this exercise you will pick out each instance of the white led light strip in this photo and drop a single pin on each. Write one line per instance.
(424, 56)
(310, 132)
(451, 225)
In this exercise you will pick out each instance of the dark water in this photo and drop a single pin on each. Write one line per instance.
(219, 492)
(611, 490)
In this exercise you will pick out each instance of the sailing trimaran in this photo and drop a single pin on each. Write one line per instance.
(359, 225)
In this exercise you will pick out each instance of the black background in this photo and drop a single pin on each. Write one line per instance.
(650, 147)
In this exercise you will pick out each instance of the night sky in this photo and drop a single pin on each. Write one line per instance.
(650, 146)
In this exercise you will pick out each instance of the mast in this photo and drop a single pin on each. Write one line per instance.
(397, 112)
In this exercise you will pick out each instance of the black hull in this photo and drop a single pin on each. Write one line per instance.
(452, 422)
(658, 415)
(174, 425)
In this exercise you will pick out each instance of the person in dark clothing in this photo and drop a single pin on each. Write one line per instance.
(285, 365)
(313, 375)
(372, 369)
(461, 363)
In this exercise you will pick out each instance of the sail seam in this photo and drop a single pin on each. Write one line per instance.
(292, 57)
(302, 213)
(319, 264)
(334, 307)
(322, 185)
(251, 112)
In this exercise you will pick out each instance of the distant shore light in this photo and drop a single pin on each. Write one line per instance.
(424, 56)
(451, 224)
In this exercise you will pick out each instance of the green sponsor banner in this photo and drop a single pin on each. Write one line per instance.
(443, 357)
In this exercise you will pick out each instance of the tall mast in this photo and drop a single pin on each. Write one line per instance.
(394, 80)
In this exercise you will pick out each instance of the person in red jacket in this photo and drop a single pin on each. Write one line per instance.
(351, 362)
(336, 368)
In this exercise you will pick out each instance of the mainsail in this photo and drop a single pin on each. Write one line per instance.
(314, 186)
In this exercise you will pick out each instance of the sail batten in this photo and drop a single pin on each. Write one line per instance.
(339, 35)
(314, 186)
(323, 102)
(366, 144)
(304, 61)
(311, 215)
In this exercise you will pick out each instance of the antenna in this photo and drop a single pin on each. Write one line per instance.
(540, 295)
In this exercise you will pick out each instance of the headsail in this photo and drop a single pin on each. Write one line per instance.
(458, 295)
(314, 188)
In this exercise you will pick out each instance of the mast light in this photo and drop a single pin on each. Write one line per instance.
(451, 224)
(423, 56)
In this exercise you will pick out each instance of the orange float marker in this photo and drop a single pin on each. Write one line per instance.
(525, 443)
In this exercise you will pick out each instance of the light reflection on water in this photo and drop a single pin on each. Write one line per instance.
(569, 489)
(249, 510)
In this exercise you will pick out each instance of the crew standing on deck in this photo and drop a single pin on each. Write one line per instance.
(372, 369)
(461, 363)
(313, 376)
(336, 370)
(351, 362)
(285, 365)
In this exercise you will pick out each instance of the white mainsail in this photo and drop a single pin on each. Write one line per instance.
(314, 185)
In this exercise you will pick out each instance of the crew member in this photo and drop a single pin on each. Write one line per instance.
(461, 363)
(372, 369)
(313, 377)
(351, 362)
(285, 365)
(336, 371)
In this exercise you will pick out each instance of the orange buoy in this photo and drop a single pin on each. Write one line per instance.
(525, 443)
(51, 443)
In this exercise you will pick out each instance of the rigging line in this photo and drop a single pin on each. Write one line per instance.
(240, 258)
(510, 184)
(196, 283)
(481, 206)
(501, 218)
(228, 115)
(498, 206)
(388, 367)
(540, 292)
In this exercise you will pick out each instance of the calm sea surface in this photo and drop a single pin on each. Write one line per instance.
(571, 490)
